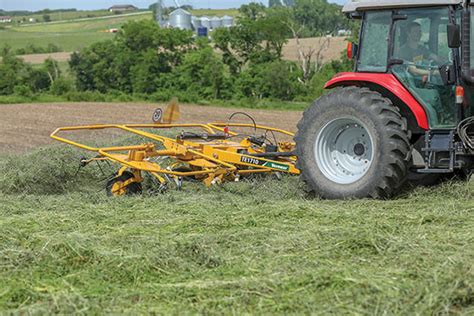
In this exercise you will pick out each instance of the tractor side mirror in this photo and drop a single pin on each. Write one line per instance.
(454, 35)
(447, 75)
(352, 49)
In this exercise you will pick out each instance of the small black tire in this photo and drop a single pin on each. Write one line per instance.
(131, 189)
(390, 151)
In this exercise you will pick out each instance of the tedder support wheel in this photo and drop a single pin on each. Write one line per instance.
(353, 143)
(118, 187)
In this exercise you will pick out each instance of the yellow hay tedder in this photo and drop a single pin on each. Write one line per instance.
(212, 155)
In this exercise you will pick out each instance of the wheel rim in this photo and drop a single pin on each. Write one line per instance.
(344, 150)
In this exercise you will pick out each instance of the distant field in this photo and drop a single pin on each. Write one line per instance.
(201, 12)
(40, 58)
(73, 35)
(61, 16)
(69, 36)
(67, 41)
(334, 48)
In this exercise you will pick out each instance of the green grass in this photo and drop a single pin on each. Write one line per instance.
(66, 41)
(74, 35)
(97, 24)
(69, 36)
(259, 247)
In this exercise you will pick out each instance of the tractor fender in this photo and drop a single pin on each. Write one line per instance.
(389, 83)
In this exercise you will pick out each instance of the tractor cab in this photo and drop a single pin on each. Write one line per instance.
(412, 44)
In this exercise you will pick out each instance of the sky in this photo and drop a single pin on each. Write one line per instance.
(35, 5)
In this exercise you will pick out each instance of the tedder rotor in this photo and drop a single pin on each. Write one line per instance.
(210, 153)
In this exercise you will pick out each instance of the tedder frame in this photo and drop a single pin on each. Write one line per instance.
(211, 156)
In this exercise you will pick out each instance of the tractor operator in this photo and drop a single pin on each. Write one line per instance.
(415, 52)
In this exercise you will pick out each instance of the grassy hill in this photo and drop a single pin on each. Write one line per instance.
(74, 34)
(259, 247)
(70, 35)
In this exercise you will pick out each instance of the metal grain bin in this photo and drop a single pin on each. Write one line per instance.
(181, 19)
(227, 21)
(216, 22)
(206, 22)
(196, 22)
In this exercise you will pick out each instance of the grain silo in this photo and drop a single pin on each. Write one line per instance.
(216, 22)
(227, 21)
(206, 22)
(180, 19)
(196, 22)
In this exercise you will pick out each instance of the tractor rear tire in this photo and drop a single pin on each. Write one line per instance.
(353, 143)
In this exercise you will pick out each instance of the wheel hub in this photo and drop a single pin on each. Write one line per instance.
(359, 149)
(344, 150)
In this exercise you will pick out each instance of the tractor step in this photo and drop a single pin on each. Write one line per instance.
(434, 170)
(439, 147)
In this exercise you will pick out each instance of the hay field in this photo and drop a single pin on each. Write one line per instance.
(70, 36)
(255, 247)
(260, 246)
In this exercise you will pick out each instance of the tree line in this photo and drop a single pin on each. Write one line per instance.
(242, 62)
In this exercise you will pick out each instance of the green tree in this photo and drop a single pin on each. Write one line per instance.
(51, 68)
(318, 17)
(252, 11)
(203, 73)
(275, 80)
(259, 37)
(316, 85)
(133, 61)
(18, 77)
(274, 3)
(274, 30)
(146, 73)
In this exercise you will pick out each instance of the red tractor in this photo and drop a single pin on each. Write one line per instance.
(406, 111)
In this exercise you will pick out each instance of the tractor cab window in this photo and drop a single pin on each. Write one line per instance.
(374, 45)
(420, 42)
(472, 39)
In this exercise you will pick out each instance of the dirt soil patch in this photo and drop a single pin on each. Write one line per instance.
(333, 47)
(28, 126)
(40, 58)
